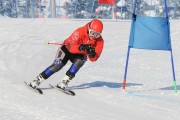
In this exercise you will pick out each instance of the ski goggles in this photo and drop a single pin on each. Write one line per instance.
(94, 33)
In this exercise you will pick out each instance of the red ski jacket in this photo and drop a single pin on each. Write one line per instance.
(80, 36)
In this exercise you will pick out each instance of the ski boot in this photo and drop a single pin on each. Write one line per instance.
(35, 83)
(65, 81)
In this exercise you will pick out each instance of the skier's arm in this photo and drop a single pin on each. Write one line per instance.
(72, 43)
(98, 49)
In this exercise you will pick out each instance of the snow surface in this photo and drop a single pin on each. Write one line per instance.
(99, 96)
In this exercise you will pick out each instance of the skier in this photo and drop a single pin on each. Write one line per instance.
(85, 42)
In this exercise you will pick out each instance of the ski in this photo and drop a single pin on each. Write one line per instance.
(68, 92)
(37, 90)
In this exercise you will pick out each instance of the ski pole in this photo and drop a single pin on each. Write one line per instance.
(54, 43)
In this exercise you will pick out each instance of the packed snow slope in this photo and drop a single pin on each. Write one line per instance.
(98, 86)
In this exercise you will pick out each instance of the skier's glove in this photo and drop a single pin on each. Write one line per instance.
(82, 47)
(92, 54)
(86, 47)
(89, 49)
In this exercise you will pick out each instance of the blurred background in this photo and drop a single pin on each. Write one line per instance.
(87, 9)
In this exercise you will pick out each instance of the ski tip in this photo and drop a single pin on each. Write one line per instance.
(72, 93)
(25, 82)
(40, 91)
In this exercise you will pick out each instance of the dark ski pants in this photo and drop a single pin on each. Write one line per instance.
(62, 57)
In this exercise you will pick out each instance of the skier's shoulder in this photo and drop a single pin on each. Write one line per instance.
(83, 29)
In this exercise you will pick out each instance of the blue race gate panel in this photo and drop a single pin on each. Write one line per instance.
(150, 33)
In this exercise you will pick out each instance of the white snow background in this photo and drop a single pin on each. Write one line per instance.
(98, 86)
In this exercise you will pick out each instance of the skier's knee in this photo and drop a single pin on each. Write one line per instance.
(79, 62)
(55, 67)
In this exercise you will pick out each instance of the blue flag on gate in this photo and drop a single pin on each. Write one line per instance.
(150, 33)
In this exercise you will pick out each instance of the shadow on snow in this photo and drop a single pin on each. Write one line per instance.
(103, 84)
(170, 88)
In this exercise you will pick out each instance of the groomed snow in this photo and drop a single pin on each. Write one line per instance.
(99, 96)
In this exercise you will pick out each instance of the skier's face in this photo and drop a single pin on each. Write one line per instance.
(93, 34)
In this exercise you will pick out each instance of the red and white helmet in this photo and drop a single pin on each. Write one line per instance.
(95, 28)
